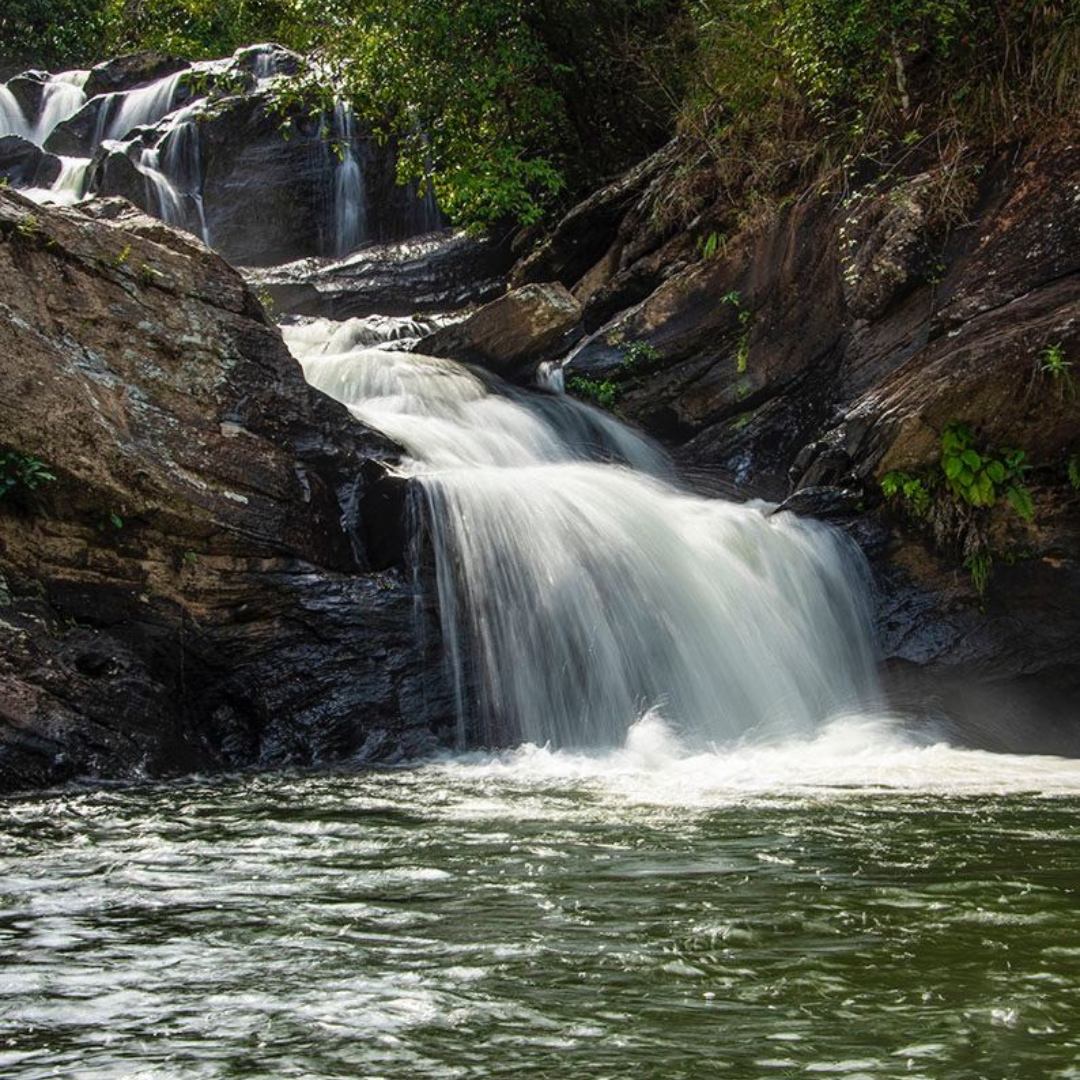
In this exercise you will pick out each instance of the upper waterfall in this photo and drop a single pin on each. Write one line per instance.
(580, 588)
(208, 148)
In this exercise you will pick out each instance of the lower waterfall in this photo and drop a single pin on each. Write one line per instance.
(581, 589)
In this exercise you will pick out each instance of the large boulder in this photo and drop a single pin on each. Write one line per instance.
(217, 575)
(23, 164)
(512, 334)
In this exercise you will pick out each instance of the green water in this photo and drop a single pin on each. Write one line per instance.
(549, 916)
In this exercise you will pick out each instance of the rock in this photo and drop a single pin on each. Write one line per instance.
(28, 89)
(124, 73)
(441, 271)
(512, 334)
(75, 136)
(25, 165)
(585, 235)
(267, 59)
(835, 341)
(217, 576)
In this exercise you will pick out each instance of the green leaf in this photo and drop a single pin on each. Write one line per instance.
(971, 459)
(1020, 499)
(953, 467)
(996, 471)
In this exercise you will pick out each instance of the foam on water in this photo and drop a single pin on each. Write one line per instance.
(848, 756)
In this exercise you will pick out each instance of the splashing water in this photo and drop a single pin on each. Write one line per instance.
(579, 588)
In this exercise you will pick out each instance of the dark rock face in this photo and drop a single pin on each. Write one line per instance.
(28, 89)
(440, 271)
(25, 165)
(217, 577)
(835, 343)
(512, 334)
(123, 73)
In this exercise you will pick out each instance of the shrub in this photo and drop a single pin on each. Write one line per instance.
(21, 473)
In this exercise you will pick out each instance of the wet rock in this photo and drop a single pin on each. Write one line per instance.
(75, 136)
(217, 575)
(28, 89)
(512, 334)
(25, 165)
(127, 72)
(441, 271)
(836, 341)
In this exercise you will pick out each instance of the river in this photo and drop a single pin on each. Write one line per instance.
(861, 903)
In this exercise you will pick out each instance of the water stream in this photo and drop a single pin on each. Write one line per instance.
(581, 589)
(157, 127)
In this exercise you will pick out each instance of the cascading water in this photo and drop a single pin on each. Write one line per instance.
(144, 106)
(350, 199)
(61, 97)
(12, 120)
(158, 127)
(581, 589)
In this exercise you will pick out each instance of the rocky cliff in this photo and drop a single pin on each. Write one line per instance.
(829, 344)
(217, 575)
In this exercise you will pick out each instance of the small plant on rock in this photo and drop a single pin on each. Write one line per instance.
(980, 479)
(639, 355)
(21, 473)
(600, 392)
(1058, 370)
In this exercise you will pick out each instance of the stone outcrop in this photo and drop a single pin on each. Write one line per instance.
(216, 577)
(27, 165)
(122, 73)
(834, 343)
(512, 334)
(441, 271)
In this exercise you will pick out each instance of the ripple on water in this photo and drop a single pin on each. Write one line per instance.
(487, 917)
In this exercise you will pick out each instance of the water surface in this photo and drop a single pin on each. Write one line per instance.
(855, 905)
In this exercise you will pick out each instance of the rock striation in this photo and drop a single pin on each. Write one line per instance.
(833, 342)
(217, 576)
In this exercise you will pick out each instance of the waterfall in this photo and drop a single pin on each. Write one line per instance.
(68, 186)
(580, 588)
(350, 200)
(144, 106)
(61, 98)
(12, 120)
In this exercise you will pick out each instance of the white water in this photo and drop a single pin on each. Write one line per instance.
(846, 756)
(350, 197)
(62, 97)
(143, 106)
(580, 589)
(12, 120)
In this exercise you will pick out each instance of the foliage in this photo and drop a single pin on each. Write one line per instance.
(742, 353)
(914, 492)
(1072, 470)
(499, 104)
(640, 355)
(951, 500)
(1058, 369)
(783, 91)
(51, 33)
(21, 473)
(981, 479)
(978, 566)
(600, 392)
